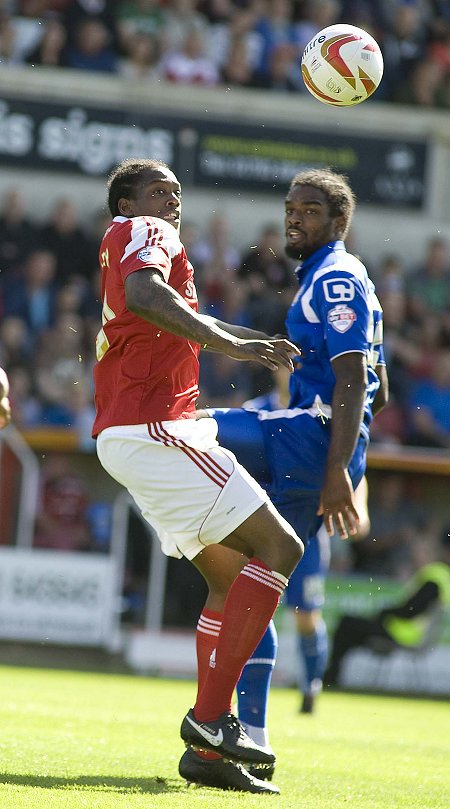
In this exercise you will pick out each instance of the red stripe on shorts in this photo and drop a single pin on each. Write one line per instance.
(205, 462)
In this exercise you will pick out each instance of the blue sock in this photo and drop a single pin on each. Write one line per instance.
(254, 683)
(313, 652)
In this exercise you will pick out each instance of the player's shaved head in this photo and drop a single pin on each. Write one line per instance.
(128, 176)
(340, 197)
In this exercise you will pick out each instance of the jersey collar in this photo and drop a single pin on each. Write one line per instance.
(318, 256)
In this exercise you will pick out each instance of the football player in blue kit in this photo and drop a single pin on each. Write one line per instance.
(306, 598)
(311, 456)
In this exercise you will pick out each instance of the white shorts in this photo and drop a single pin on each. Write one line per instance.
(191, 490)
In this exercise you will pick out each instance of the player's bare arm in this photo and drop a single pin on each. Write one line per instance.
(382, 395)
(242, 331)
(149, 297)
(337, 503)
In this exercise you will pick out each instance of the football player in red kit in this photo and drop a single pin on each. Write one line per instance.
(192, 490)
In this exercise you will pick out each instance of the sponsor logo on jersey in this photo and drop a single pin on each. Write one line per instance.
(190, 289)
(144, 254)
(341, 318)
(338, 289)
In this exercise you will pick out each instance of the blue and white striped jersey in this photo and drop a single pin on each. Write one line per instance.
(334, 312)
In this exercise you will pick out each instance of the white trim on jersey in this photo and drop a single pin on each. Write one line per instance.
(149, 231)
(351, 351)
(354, 268)
(318, 409)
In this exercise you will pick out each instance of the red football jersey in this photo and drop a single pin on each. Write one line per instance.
(143, 373)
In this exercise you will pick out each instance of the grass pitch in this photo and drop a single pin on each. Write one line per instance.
(100, 741)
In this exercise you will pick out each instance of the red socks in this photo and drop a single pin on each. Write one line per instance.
(208, 629)
(250, 604)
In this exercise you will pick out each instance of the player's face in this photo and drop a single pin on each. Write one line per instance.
(159, 195)
(308, 224)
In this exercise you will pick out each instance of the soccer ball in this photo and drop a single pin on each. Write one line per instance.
(342, 65)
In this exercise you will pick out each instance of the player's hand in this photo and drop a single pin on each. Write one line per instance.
(5, 412)
(337, 505)
(271, 353)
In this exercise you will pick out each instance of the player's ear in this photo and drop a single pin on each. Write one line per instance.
(125, 206)
(340, 226)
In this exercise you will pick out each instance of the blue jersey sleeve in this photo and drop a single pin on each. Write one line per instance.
(341, 302)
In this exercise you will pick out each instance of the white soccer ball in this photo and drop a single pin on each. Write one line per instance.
(342, 65)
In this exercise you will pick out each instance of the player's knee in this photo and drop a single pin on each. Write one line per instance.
(292, 551)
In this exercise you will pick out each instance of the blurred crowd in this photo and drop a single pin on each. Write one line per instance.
(50, 313)
(245, 43)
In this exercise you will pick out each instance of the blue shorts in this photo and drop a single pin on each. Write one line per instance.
(287, 456)
(306, 588)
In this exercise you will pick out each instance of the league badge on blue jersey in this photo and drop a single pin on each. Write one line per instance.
(341, 318)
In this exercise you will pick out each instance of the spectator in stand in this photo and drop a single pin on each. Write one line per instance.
(25, 404)
(92, 48)
(316, 14)
(17, 232)
(429, 285)
(61, 365)
(365, 14)
(402, 352)
(284, 72)
(190, 63)
(62, 521)
(9, 49)
(403, 624)
(15, 345)
(237, 70)
(219, 16)
(217, 11)
(141, 60)
(49, 52)
(439, 50)
(236, 47)
(138, 18)
(218, 259)
(75, 251)
(270, 279)
(265, 265)
(390, 275)
(74, 12)
(404, 47)
(180, 18)
(429, 411)
(32, 295)
(193, 241)
(21, 30)
(425, 86)
(275, 28)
